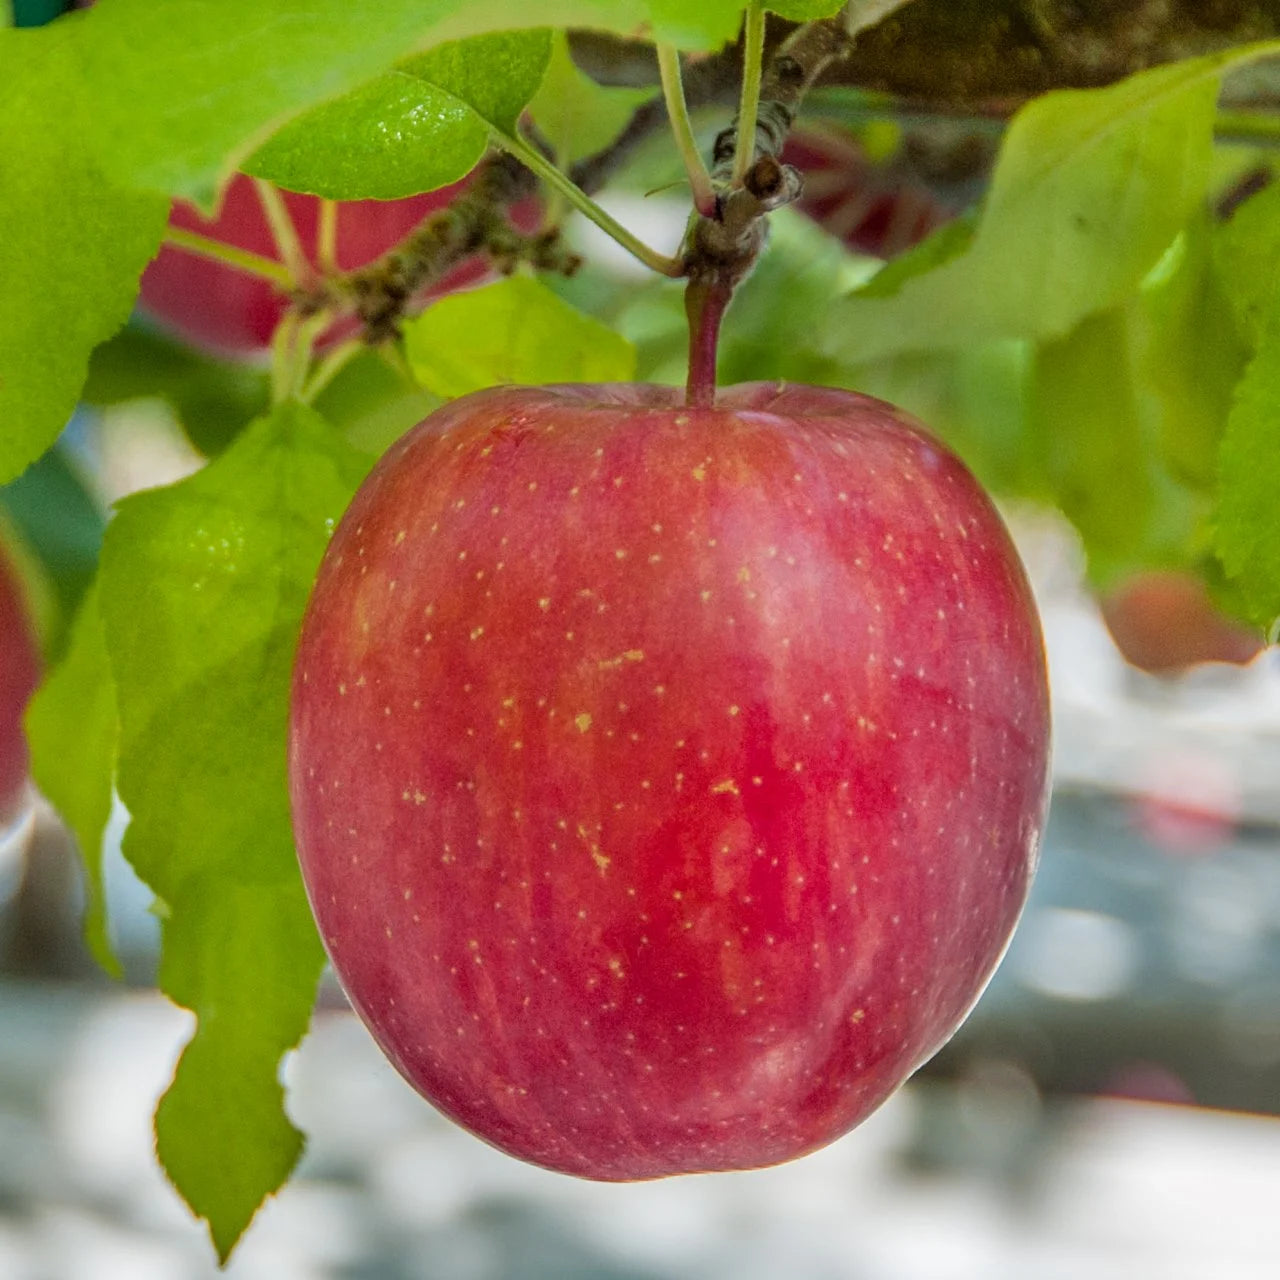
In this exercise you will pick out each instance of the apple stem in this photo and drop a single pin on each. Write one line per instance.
(327, 238)
(705, 301)
(704, 192)
(253, 264)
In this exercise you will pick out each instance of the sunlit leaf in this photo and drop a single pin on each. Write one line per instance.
(417, 127)
(204, 584)
(1090, 189)
(187, 89)
(72, 246)
(514, 331)
(245, 958)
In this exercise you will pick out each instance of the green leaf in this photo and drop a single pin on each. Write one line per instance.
(1247, 252)
(1245, 518)
(245, 958)
(494, 76)
(212, 399)
(1091, 435)
(809, 10)
(949, 241)
(1247, 256)
(1088, 433)
(1089, 191)
(72, 730)
(34, 13)
(415, 128)
(514, 331)
(373, 403)
(203, 587)
(694, 23)
(576, 115)
(185, 90)
(1189, 354)
(72, 246)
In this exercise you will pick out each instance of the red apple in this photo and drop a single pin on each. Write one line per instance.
(19, 675)
(667, 782)
(1164, 621)
(232, 313)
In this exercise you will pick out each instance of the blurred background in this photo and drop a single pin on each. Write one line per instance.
(1111, 1108)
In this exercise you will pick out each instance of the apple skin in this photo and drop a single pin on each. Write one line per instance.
(231, 313)
(19, 675)
(1164, 621)
(667, 782)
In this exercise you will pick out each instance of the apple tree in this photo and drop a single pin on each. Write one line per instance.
(1049, 231)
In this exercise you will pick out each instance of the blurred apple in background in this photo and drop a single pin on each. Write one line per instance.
(1164, 621)
(884, 188)
(230, 312)
(19, 675)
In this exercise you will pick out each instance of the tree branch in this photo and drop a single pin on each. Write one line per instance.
(979, 53)
(475, 223)
(992, 55)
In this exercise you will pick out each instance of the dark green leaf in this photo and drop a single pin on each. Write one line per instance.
(1090, 189)
(72, 728)
(514, 331)
(417, 127)
(72, 245)
(204, 586)
(34, 13)
(61, 524)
